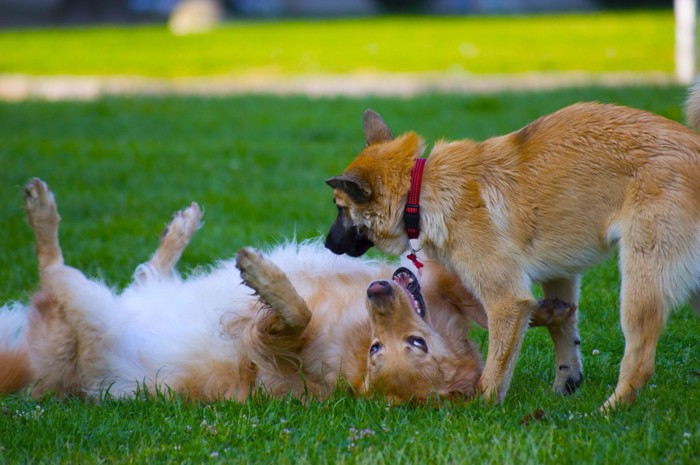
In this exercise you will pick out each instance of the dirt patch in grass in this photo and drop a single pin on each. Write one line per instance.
(18, 87)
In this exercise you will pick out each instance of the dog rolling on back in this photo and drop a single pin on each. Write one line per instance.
(543, 204)
(308, 330)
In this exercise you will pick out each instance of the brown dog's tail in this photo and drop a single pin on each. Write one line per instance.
(14, 371)
(692, 107)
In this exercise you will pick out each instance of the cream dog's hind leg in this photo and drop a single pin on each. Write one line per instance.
(64, 342)
(43, 217)
(68, 335)
(175, 238)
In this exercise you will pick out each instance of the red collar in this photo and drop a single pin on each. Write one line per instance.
(411, 213)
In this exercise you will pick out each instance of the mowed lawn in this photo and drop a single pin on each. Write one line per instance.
(119, 167)
(592, 42)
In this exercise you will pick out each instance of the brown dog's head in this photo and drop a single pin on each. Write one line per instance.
(418, 354)
(372, 190)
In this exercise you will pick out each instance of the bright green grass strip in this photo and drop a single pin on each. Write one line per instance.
(596, 42)
(120, 167)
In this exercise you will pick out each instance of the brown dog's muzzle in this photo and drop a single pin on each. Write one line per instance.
(345, 238)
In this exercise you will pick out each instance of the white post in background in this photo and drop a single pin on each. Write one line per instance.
(685, 11)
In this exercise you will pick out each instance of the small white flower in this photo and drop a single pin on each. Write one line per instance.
(596, 352)
(366, 432)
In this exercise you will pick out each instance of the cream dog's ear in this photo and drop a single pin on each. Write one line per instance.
(374, 128)
(357, 188)
(463, 379)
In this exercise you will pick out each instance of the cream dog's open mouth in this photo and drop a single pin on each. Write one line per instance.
(408, 281)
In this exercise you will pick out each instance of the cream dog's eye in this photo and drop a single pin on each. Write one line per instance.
(374, 348)
(418, 343)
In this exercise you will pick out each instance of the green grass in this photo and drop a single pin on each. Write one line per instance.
(626, 41)
(119, 167)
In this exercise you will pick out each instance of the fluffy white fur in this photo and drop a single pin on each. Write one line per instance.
(152, 332)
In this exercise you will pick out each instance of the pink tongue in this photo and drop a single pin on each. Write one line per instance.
(402, 279)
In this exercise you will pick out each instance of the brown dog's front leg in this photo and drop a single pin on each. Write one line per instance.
(560, 297)
(508, 320)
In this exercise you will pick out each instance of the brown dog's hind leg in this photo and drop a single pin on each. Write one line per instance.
(562, 296)
(43, 217)
(175, 238)
(643, 316)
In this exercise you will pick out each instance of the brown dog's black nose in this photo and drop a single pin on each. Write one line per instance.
(379, 289)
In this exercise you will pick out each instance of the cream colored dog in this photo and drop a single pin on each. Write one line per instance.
(317, 322)
(543, 204)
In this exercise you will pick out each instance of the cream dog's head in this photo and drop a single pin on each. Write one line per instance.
(418, 354)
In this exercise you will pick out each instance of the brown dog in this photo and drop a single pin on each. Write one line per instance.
(543, 204)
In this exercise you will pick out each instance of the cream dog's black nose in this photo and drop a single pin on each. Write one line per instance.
(379, 289)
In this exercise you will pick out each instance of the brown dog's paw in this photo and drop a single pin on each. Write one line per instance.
(568, 381)
(552, 312)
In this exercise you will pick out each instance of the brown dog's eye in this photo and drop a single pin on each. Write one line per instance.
(418, 343)
(374, 348)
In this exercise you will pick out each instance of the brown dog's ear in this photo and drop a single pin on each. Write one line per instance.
(374, 128)
(358, 189)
